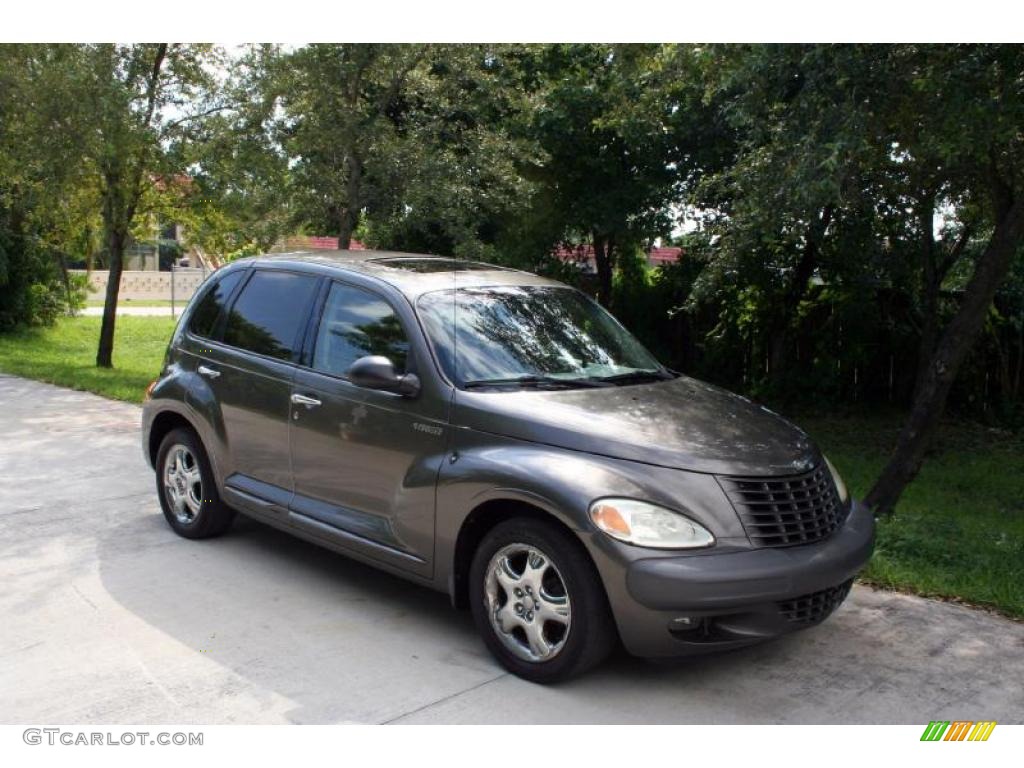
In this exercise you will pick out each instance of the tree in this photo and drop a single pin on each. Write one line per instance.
(608, 171)
(339, 104)
(37, 179)
(138, 100)
(954, 113)
(239, 193)
(455, 186)
(795, 187)
(845, 156)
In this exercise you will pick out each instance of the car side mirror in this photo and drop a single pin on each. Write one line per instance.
(377, 372)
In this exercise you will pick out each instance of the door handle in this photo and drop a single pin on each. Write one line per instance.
(208, 372)
(309, 402)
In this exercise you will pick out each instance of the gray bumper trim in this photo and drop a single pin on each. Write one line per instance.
(712, 582)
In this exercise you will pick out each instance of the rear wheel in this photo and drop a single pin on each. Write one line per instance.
(538, 601)
(188, 493)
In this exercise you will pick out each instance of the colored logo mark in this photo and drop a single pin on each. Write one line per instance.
(958, 730)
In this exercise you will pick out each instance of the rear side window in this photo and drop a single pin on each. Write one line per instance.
(269, 312)
(357, 323)
(204, 318)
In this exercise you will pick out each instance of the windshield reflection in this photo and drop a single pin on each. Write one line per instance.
(528, 334)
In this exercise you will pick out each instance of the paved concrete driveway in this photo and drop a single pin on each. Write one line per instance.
(107, 616)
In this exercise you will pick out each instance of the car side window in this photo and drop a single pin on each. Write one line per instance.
(356, 323)
(204, 318)
(269, 313)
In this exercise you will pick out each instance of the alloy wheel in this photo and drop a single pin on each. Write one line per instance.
(183, 483)
(527, 602)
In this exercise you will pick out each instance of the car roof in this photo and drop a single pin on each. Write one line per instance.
(411, 273)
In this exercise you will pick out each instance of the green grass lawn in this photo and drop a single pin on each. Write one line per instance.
(958, 532)
(66, 354)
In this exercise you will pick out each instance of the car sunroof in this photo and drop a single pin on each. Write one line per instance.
(434, 265)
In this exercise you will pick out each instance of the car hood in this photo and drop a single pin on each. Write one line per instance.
(681, 423)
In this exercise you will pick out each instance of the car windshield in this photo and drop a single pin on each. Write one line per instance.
(531, 336)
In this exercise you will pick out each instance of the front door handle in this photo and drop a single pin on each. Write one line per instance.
(309, 402)
(208, 372)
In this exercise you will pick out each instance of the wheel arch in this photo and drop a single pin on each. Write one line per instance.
(163, 423)
(167, 419)
(480, 520)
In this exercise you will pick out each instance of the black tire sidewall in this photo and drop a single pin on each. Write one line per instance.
(589, 639)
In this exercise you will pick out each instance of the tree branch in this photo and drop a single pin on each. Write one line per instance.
(175, 123)
(152, 88)
(955, 252)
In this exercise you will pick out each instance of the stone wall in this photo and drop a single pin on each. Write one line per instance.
(139, 286)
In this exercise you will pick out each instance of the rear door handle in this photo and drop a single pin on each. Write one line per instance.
(309, 402)
(208, 372)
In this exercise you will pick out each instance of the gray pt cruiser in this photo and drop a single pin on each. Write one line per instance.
(498, 436)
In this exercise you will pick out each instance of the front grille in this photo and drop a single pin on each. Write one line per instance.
(815, 607)
(783, 511)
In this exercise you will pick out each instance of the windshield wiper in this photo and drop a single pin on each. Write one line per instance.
(637, 376)
(533, 380)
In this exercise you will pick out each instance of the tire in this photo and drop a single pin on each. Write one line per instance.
(193, 507)
(517, 626)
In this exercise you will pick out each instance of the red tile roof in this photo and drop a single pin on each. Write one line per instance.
(664, 255)
(656, 256)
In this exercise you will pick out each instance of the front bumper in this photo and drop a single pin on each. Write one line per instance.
(702, 602)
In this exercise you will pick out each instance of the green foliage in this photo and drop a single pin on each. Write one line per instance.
(36, 295)
(237, 203)
(341, 123)
(33, 211)
(408, 146)
(607, 165)
(457, 188)
(825, 275)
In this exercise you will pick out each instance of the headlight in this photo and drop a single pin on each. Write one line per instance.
(844, 494)
(648, 525)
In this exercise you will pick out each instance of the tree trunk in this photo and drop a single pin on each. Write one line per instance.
(778, 345)
(778, 328)
(934, 268)
(105, 352)
(1015, 391)
(603, 260)
(348, 218)
(122, 191)
(346, 226)
(929, 295)
(950, 352)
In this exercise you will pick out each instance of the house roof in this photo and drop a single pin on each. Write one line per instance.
(658, 256)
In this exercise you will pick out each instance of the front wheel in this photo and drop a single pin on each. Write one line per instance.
(538, 601)
(188, 493)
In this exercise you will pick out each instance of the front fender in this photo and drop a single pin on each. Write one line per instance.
(564, 483)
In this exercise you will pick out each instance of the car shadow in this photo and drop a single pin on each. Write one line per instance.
(279, 629)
